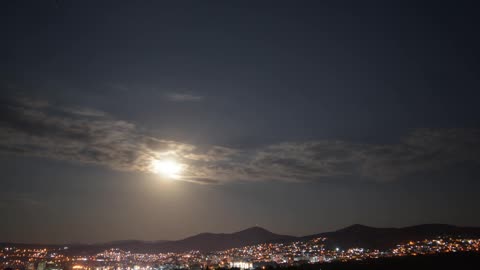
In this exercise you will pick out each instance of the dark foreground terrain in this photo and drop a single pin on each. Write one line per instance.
(452, 261)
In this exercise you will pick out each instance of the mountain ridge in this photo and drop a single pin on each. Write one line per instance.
(382, 238)
(356, 235)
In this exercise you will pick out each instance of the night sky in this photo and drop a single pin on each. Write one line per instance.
(300, 117)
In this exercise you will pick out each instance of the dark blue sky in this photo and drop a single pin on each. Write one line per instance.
(300, 117)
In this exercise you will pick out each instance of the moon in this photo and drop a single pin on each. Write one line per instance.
(168, 168)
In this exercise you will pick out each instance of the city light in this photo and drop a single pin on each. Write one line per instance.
(258, 256)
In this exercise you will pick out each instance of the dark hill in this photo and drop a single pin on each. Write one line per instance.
(383, 238)
(222, 241)
(353, 236)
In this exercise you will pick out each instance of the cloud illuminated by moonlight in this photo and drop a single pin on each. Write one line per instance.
(37, 128)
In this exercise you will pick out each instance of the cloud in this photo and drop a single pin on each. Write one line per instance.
(84, 112)
(183, 97)
(83, 135)
(423, 150)
(75, 134)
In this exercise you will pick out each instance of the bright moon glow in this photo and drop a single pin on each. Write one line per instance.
(168, 168)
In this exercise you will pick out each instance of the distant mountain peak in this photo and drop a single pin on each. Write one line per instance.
(356, 228)
(255, 229)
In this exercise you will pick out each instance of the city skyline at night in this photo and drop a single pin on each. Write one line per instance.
(161, 120)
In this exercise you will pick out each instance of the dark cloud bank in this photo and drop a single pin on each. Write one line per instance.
(38, 128)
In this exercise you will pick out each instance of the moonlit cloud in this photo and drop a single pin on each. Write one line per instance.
(83, 135)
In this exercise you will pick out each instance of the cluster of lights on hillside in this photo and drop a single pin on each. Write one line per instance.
(256, 256)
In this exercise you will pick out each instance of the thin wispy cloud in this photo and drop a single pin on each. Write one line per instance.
(9, 199)
(183, 97)
(89, 136)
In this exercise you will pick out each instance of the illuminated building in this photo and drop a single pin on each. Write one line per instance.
(242, 265)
